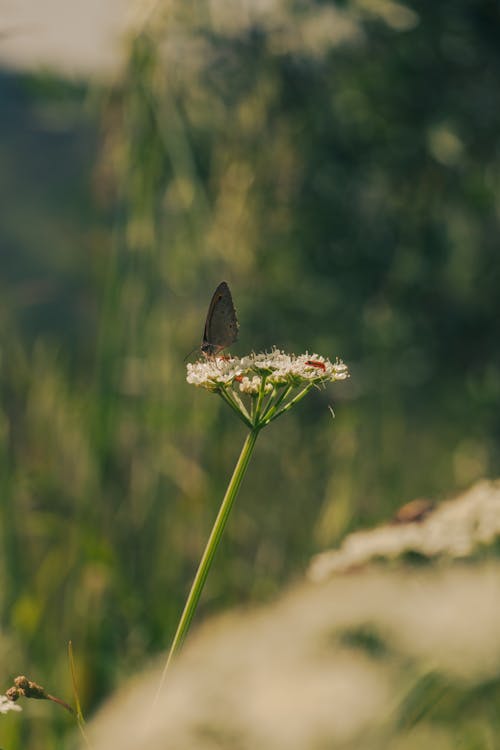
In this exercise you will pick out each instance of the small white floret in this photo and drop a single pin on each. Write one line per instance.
(6, 705)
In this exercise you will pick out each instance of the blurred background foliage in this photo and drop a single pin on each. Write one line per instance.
(339, 165)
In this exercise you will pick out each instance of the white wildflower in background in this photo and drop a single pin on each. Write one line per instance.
(6, 705)
(458, 528)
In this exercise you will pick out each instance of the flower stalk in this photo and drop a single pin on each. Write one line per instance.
(210, 550)
(259, 388)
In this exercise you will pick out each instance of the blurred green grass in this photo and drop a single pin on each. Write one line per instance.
(338, 165)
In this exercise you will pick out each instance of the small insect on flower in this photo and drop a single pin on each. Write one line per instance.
(317, 364)
(414, 512)
(221, 325)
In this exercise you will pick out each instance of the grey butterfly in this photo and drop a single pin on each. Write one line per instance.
(221, 325)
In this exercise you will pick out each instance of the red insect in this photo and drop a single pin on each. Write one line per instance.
(315, 363)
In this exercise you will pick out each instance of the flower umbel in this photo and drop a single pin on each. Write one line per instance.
(273, 381)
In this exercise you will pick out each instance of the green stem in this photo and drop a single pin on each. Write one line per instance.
(260, 399)
(208, 554)
(287, 406)
(272, 408)
(236, 405)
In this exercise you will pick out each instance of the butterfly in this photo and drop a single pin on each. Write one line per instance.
(221, 325)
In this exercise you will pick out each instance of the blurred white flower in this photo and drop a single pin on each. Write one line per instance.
(6, 705)
(456, 528)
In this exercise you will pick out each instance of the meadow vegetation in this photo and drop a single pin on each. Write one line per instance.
(339, 165)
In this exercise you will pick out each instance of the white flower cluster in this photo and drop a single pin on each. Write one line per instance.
(278, 368)
(6, 705)
(455, 529)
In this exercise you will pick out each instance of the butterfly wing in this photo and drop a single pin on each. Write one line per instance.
(221, 326)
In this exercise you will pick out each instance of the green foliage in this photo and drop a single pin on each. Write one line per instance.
(338, 165)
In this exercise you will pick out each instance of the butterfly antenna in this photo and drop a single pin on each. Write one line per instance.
(188, 355)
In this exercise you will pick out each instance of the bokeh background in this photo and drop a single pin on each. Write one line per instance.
(338, 163)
